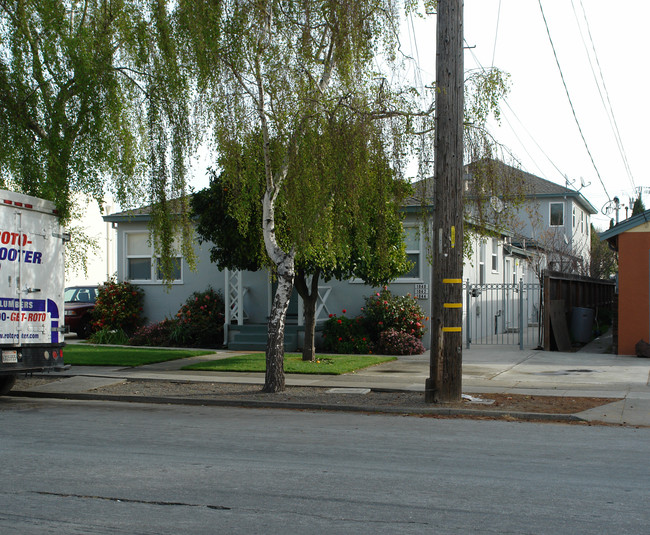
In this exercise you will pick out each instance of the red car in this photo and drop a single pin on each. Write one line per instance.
(79, 306)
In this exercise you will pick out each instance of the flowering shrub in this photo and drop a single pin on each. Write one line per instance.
(392, 342)
(156, 334)
(118, 307)
(345, 335)
(199, 322)
(384, 311)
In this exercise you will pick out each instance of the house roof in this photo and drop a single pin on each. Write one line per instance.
(142, 213)
(533, 187)
(626, 225)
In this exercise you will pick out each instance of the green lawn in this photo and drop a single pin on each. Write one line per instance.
(89, 355)
(293, 363)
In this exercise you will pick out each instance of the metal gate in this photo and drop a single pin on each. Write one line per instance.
(504, 314)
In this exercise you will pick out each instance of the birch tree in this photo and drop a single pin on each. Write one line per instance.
(356, 212)
(285, 68)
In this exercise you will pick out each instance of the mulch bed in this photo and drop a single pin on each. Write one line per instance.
(373, 399)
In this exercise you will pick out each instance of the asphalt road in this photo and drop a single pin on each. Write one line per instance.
(105, 468)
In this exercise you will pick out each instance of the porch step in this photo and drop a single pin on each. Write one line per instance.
(253, 337)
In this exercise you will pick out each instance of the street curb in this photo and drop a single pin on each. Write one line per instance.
(404, 411)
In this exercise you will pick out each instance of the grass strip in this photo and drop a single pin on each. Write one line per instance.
(90, 355)
(293, 363)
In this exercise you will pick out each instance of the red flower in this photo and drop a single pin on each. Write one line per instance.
(344, 311)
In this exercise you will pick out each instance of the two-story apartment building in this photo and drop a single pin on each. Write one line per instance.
(549, 215)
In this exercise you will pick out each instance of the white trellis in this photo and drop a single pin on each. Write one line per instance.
(234, 298)
(321, 305)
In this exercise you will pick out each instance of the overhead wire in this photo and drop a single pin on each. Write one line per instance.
(608, 106)
(566, 89)
(523, 145)
(496, 34)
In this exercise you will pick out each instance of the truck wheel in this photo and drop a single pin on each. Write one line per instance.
(6, 383)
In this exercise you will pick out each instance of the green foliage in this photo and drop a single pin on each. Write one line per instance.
(237, 245)
(603, 262)
(345, 335)
(68, 115)
(199, 322)
(89, 92)
(118, 307)
(638, 207)
(346, 224)
(107, 336)
(384, 311)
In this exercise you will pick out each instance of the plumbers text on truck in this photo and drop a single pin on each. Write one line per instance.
(32, 279)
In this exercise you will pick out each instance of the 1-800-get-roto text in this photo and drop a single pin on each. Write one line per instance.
(23, 316)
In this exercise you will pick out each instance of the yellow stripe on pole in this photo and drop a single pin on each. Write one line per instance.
(452, 281)
(453, 305)
(451, 329)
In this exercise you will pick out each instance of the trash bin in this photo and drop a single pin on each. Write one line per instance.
(582, 322)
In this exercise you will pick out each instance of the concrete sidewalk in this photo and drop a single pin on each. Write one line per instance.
(486, 369)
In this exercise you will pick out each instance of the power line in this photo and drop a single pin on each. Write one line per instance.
(608, 107)
(496, 33)
(505, 100)
(566, 89)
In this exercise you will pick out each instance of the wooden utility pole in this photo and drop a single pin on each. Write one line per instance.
(445, 380)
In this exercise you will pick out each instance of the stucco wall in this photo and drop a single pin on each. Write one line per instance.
(633, 288)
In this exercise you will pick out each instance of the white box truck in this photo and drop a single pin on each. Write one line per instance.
(32, 279)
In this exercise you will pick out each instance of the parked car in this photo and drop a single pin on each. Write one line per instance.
(79, 306)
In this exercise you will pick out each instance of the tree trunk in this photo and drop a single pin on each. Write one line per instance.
(274, 379)
(309, 301)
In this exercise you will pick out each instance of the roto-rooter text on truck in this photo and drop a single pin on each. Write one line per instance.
(32, 278)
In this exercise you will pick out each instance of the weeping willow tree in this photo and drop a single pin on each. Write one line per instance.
(92, 101)
(284, 69)
(348, 224)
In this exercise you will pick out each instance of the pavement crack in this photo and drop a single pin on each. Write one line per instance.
(129, 500)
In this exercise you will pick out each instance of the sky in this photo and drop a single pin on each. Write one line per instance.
(538, 125)
(599, 46)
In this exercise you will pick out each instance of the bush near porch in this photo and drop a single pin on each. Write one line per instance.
(198, 323)
(389, 324)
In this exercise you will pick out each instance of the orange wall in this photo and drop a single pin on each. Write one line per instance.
(633, 287)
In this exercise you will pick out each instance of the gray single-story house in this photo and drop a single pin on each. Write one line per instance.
(502, 258)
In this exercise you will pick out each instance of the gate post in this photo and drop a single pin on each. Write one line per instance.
(521, 313)
(468, 336)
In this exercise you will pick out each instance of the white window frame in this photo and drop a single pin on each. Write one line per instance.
(495, 255)
(419, 252)
(153, 265)
(550, 213)
(481, 263)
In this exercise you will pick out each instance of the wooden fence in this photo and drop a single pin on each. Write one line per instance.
(563, 293)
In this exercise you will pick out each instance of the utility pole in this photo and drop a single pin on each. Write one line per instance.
(445, 379)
